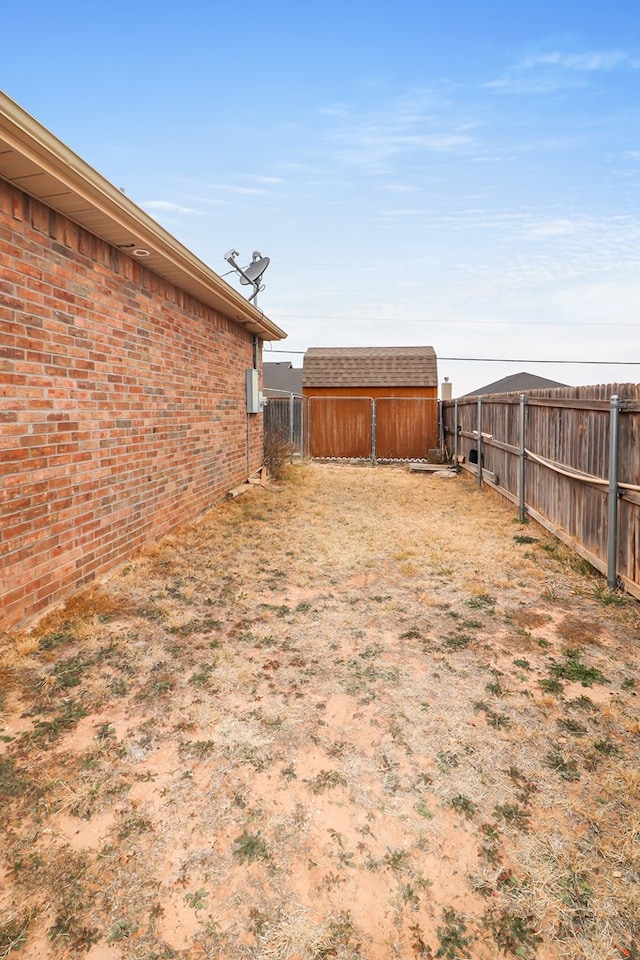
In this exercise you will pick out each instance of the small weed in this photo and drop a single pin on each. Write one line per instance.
(280, 610)
(524, 538)
(409, 895)
(514, 934)
(69, 672)
(55, 639)
(574, 670)
(610, 597)
(119, 687)
(249, 847)
(513, 814)
(418, 944)
(199, 748)
(13, 933)
(424, 811)
(499, 721)
(523, 664)
(202, 677)
(551, 685)
(566, 768)
(395, 859)
(447, 761)
(343, 934)
(258, 921)
(482, 602)
(583, 703)
(412, 634)
(372, 651)
(453, 942)
(457, 641)
(331, 880)
(553, 549)
(197, 900)
(122, 930)
(568, 725)
(134, 825)
(462, 804)
(46, 732)
(607, 748)
(12, 784)
(326, 780)
(105, 733)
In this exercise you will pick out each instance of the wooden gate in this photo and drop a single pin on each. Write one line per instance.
(367, 428)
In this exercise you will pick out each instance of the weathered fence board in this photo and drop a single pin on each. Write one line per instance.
(566, 466)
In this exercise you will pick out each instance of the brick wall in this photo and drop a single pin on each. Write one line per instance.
(122, 406)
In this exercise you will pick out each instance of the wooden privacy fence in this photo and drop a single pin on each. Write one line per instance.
(570, 458)
(372, 428)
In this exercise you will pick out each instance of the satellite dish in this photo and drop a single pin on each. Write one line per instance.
(250, 275)
(256, 268)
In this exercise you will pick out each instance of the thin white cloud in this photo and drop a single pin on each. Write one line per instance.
(555, 70)
(595, 60)
(238, 190)
(270, 181)
(166, 206)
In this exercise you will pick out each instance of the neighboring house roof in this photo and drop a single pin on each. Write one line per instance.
(370, 367)
(282, 377)
(42, 166)
(517, 383)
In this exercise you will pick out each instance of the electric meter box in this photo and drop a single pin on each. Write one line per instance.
(253, 392)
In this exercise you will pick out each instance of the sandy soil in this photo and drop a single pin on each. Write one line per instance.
(359, 714)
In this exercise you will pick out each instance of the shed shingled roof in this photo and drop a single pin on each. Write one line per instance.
(370, 367)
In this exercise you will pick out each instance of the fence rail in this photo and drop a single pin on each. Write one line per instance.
(569, 458)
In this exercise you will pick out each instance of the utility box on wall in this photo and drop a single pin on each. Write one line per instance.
(253, 392)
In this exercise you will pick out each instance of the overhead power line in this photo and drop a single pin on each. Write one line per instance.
(509, 323)
(597, 363)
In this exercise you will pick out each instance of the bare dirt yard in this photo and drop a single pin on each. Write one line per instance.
(361, 713)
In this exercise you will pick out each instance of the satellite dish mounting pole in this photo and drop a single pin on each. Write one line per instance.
(252, 274)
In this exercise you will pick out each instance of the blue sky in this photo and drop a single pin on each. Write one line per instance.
(444, 172)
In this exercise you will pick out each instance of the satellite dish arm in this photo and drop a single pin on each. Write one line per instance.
(229, 257)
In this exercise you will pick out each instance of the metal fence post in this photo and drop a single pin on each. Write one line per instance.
(522, 506)
(291, 433)
(373, 431)
(479, 442)
(455, 435)
(612, 533)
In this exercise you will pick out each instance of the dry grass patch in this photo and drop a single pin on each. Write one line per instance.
(362, 714)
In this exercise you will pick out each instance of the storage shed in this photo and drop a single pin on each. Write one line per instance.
(377, 403)
(124, 369)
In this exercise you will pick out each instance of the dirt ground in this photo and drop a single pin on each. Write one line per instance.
(361, 713)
